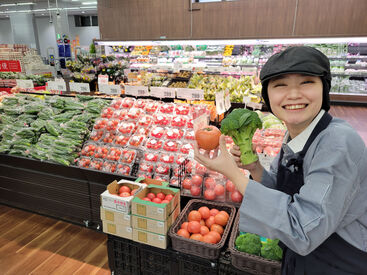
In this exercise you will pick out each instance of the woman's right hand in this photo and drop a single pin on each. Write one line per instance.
(235, 151)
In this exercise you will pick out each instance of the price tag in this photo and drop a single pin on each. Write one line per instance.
(56, 85)
(79, 87)
(102, 79)
(255, 106)
(219, 102)
(227, 100)
(136, 90)
(200, 122)
(162, 92)
(110, 89)
(26, 84)
(190, 94)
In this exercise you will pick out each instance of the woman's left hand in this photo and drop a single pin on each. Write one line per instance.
(222, 162)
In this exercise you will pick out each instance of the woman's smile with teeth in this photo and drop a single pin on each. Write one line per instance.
(293, 107)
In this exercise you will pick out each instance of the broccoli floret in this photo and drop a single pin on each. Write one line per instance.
(249, 243)
(241, 125)
(271, 250)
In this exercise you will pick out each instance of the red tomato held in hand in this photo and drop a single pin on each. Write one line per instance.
(197, 180)
(236, 196)
(208, 137)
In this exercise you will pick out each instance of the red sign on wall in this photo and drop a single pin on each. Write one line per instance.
(10, 66)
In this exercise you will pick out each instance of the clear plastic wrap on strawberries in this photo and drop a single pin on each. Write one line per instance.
(200, 109)
(109, 166)
(174, 134)
(179, 121)
(162, 119)
(180, 159)
(116, 103)
(101, 152)
(198, 168)
(137, 141)
(123, 169)
(151, 157)
(96, 164)
(107, 112)
(190, 124)
(167, 158)
(127, 102)
(121, 140)
(191, 188)
(171, 145)
(112, 124)
(162, 168)
(120, 114)
(84, 162)
(109, 137)
(135, 113)
(154, 144)
(127, 128)
(186, 147)
(189, 135)
(166, 108)
(100, 124)
(88, 150)
(128, 156)
(141, 174)
(146, 167)
(177, 171)
(145, 121)
(152, 106)
(182, 109)
(232, 194)
(157, 132)
(114, 153)
(142, 131)
(140, 103)
(214, 188)
(97, 135)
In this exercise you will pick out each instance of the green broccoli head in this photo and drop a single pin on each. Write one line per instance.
(271, 250)
(241, 125)
(249, 243)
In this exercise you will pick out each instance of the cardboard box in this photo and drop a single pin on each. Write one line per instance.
(117, 230)
(153, 210)
(111, 200)
(149, 181)
(149, 238)
(115, 217)
(155, 226)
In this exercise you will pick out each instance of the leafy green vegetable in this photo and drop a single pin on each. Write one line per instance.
(271, 250)
(249, 243)
(241, 125)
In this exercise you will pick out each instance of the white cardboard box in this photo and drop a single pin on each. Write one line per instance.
(115, 217)
(117, 230)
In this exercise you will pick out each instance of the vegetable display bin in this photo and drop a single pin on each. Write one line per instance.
(198, 248)
(247, 262)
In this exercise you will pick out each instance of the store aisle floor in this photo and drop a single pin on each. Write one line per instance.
(34, 244)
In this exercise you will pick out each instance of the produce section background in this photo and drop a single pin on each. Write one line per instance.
(171, 19)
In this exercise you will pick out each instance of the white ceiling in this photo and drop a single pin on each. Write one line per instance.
(41, 7)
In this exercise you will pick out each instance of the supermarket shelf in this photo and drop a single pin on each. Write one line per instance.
(350, 98)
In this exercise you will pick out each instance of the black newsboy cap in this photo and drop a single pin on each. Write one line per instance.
(298, 59)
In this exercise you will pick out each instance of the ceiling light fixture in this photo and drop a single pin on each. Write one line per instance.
(8, 5)
(89, 3)
(25, 4)
(95, 7)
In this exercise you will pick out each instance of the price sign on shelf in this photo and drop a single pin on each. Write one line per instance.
(227, 100)
(219, 102)
(26, 84)
(190, 94)
(79, 87)
(102, 79)
(162, 92)
(136, 90)
(56, 85)
(110, 89)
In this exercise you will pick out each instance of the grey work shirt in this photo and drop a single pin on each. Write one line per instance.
(332, 199)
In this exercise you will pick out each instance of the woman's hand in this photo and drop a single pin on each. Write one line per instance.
(223, 162)
(235, 151)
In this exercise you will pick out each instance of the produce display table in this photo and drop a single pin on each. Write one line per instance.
(38, 88)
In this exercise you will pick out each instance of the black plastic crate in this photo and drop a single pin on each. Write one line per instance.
(225, 266)
(156, 261)
(123, 256)
(193, 265)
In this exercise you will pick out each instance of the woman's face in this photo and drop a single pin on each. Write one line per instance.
(296, 99)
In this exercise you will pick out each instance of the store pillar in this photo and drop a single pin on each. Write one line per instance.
(24, 29)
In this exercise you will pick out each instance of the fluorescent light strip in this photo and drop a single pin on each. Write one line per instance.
(25, 4)
(89, 3)
(76, 8)
(238, 42)
(8, 5)
(89, 7)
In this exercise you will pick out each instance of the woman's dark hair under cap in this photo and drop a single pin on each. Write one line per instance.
(298, 59)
